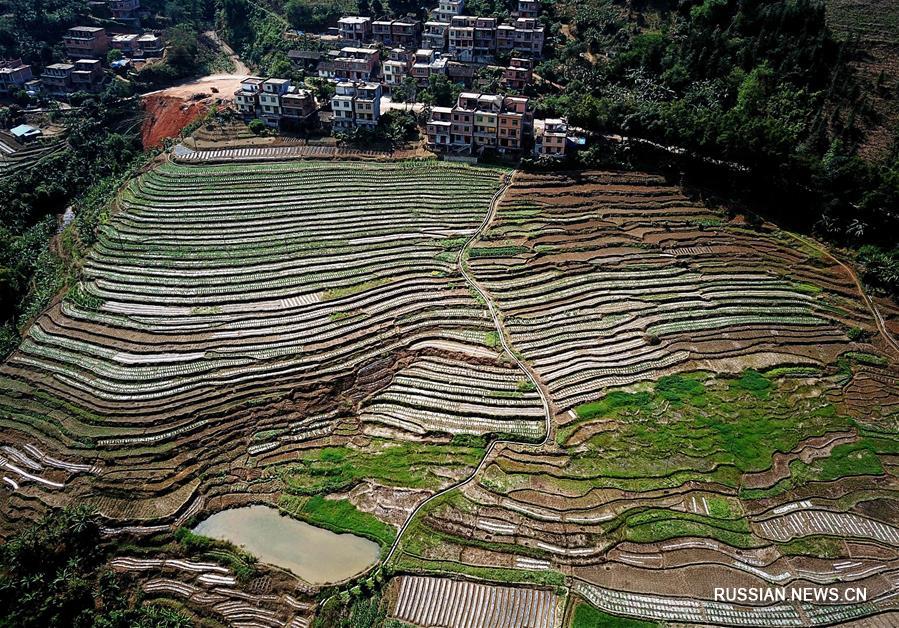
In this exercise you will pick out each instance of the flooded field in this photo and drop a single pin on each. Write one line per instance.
(316, 555)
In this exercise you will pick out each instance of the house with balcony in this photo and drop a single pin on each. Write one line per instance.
(551, 138)
(299, 109)
(403, 32)
(448, 9)
(516, 124)
(150, 45)
(528, 8)
(461, 38)
(86, 42)
(87, 75)
(528, 37)
(356, 104)
(397, 66)
(440, 127)
(246, 99)
(270, 100)
(14, 75)
(484, 44)
(125, 10)
(354, 29)
(126, 43)
(482, 121)
(435, 36)
(57, 79)
(519, 74)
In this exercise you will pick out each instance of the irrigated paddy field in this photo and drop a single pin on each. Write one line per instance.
(529, 389)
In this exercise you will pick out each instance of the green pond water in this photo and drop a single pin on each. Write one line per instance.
(316, 555)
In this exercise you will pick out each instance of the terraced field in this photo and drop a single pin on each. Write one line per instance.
(259, 305)
(708, 426)
(374, 348)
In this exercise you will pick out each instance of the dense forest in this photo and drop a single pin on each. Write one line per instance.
(758, 94)
(53, 574)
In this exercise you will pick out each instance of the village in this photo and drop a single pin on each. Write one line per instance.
(368, 66)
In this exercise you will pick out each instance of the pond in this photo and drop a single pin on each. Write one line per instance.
(316, 555)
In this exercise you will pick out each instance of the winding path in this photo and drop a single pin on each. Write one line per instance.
(504, 342)
(878, 318)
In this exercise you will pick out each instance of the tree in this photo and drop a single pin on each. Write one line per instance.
(256, 126)
(440, 91)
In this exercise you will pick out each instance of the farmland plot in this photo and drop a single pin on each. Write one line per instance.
(713, 421)
(229, 311)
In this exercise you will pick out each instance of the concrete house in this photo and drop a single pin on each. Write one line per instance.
(551, 138)
(448, 9)
(354, 29)
(246, 99)
(270, 100)
(480, 121)
(86, 42)
(125, 10)
(57, 79)
(14, 75)
(87, 75)
(518, 74)
(435, 35)
(356, 104)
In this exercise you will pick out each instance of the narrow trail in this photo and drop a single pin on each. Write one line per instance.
(878, 318)
(504, 342)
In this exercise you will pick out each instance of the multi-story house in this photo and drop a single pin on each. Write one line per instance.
(342, 106)
(86, 42)
(87, 76)
(127, 43)
(484, 46)
(529, 37)
(552, 139)
(354, 29)
(519, 74)
(150, 45)
(125, 10)
(516, 124)
(270, 100)
(396, 68)
(435, 35)
(405, 33)
(448, 9)
(368, 104)
(13, 75)
(528, 8)
(247, 97)
(440, 127)
(57, 79)
(356, 104)
(351, 64)
(298, 108)
(460, 72)
(461, 37)
(480, 121)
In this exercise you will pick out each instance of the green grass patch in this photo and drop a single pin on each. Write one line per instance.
(491, 339)
(408, 562)
(586, 616)
(339, 293)
(817, 546)
(338, 515)
(395, 464)
(496, 251)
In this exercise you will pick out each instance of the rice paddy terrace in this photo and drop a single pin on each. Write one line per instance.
(527, 391)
